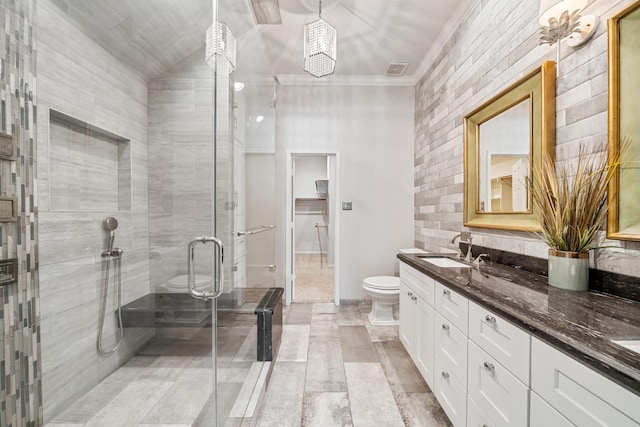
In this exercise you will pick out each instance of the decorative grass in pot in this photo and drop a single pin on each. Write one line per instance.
(572, 206)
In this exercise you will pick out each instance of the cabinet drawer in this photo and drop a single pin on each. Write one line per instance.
(543, 415)
(499, 394)
(451, 348)
(453, 306)
(421, 284)
(451, 395)
(475, 417)
(582, 395)
(504, 341)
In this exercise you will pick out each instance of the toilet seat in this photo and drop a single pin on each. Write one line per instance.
(382, 282)
(179, 283)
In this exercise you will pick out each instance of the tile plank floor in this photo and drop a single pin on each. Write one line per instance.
(333, 369)
(353, 374)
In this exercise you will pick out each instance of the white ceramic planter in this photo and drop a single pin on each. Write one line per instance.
(569, 270)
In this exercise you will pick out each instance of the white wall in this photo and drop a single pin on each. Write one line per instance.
(372, 128)
(307, 170)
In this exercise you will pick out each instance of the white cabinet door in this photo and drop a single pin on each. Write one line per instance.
(425, 316)
(451, 348)
(504, 341)
(450, 394)
(543, 415)
(453, 306)
(582, 395)
(407, 319)
(499, 394)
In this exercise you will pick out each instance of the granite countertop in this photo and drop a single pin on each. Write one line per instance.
(581, 324)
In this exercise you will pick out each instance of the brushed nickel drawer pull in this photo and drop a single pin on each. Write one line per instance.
(490, 319)
(446, 292)
(489, 366)
(445, 327)
(445, 375)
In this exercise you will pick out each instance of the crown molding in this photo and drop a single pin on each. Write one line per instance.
(338, 80)
(459, 15)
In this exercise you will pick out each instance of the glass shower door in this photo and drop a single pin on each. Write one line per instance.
(244, 216)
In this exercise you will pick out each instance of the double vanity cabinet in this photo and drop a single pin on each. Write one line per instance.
(487, 372)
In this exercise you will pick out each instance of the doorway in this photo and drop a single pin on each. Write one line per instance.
(312, 240)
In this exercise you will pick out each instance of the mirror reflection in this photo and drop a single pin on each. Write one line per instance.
(504, 160)
(503, 139)
(624, 62)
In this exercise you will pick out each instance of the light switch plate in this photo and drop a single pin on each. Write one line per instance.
(346, 206)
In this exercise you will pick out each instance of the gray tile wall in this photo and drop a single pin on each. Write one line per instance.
(180, 167)
(20, 360)
(495, 45)
(79, 79)
(181, 163)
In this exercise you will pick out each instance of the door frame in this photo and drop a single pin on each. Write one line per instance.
(334, 215)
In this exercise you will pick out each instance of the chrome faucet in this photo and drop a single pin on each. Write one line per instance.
(466, 237)
(480, 259)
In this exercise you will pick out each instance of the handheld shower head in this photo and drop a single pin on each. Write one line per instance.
(111, 224)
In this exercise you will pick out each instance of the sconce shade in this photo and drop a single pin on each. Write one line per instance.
(554, 8)
(220, 52)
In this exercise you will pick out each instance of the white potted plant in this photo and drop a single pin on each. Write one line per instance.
(571, 201)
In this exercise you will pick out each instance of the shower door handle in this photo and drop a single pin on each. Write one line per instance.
(219, 281)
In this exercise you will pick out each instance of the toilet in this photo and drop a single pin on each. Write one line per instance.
(178, 284)
(385, 293)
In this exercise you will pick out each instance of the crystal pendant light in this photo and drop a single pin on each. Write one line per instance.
(320, 47)
(221, 48)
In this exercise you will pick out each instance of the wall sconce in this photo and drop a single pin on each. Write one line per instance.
(560, 19)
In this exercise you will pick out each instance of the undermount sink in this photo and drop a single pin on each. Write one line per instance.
(444, 262)
(633, 345)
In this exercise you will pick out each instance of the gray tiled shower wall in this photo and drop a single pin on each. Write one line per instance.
(20, 361)
(85, 176)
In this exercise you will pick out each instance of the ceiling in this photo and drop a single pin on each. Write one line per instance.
(152, 36)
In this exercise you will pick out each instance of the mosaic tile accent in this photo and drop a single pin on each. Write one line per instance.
(20, 362)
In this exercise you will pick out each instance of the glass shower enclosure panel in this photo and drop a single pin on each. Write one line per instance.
(244, 213)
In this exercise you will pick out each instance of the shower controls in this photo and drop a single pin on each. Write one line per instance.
(7, 146)
(8, 271)
(8, 209)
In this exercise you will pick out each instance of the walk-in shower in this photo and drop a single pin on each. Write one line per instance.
(148, 154)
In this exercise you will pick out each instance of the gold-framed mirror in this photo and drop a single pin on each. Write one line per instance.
(624, 110)
(503, 139)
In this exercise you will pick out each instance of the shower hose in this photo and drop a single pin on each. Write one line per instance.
(105, 294)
